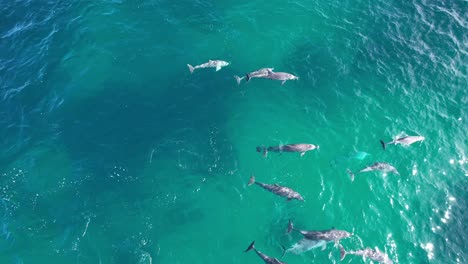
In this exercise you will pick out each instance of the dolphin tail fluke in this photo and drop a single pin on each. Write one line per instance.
(252, 180)
(290, 227)
(191, 68)
(351, 174)
(262, 149)
(284, 251)
(383, 144)
(342, 253)
(251, 246)
(238, 79)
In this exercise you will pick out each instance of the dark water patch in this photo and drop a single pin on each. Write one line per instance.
(119, 124)
(30, 51)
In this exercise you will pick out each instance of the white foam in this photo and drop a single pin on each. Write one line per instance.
(429, 247)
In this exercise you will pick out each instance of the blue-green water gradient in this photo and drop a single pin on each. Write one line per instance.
(112, 152)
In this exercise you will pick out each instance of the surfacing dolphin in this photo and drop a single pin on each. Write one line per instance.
(374, 254)
(301, 148)
(261, 73)
(281, 76)
(328, 235)
(266, 259)
(405, 141)
(218, 64)
(381, 166)
(278, 190)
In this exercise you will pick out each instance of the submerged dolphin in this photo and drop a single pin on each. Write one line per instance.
(278, 190)
(381, 166)
(406, 141)
(218, 64)
(261, 73)
(281, 76)
(266, 259)
(305, 245)
(374, 254)
(302, 148)
(329, 235)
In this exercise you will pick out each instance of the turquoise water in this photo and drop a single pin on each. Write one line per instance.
(112, 152)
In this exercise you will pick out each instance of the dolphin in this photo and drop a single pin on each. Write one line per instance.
(278, 190)
(266, 259)
(406, 141)
(381, 166)
(281, 76)
(261, 73)
(304, 245)
(328, 235)
(374, 254)
(218, 64)
(302, 148)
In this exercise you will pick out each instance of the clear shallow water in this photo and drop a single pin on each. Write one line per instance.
(113, 153)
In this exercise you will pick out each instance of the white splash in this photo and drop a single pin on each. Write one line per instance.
(429, 247)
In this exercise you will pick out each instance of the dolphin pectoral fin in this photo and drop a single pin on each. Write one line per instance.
(288, 200)
(324, 246)
(218, 67)
(283, 82)
(302, 154)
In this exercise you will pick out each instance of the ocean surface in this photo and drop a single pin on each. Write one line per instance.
(112, 152)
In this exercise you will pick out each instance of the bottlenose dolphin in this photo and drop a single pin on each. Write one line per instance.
(278, 190)
(263, 72)
(304, 245)
(374, 254)
(281, 76)
(266, 259)
(381, 166)
(406, 141)
(302, 148)
(359, 155)
(329, 235)
(218, 64)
